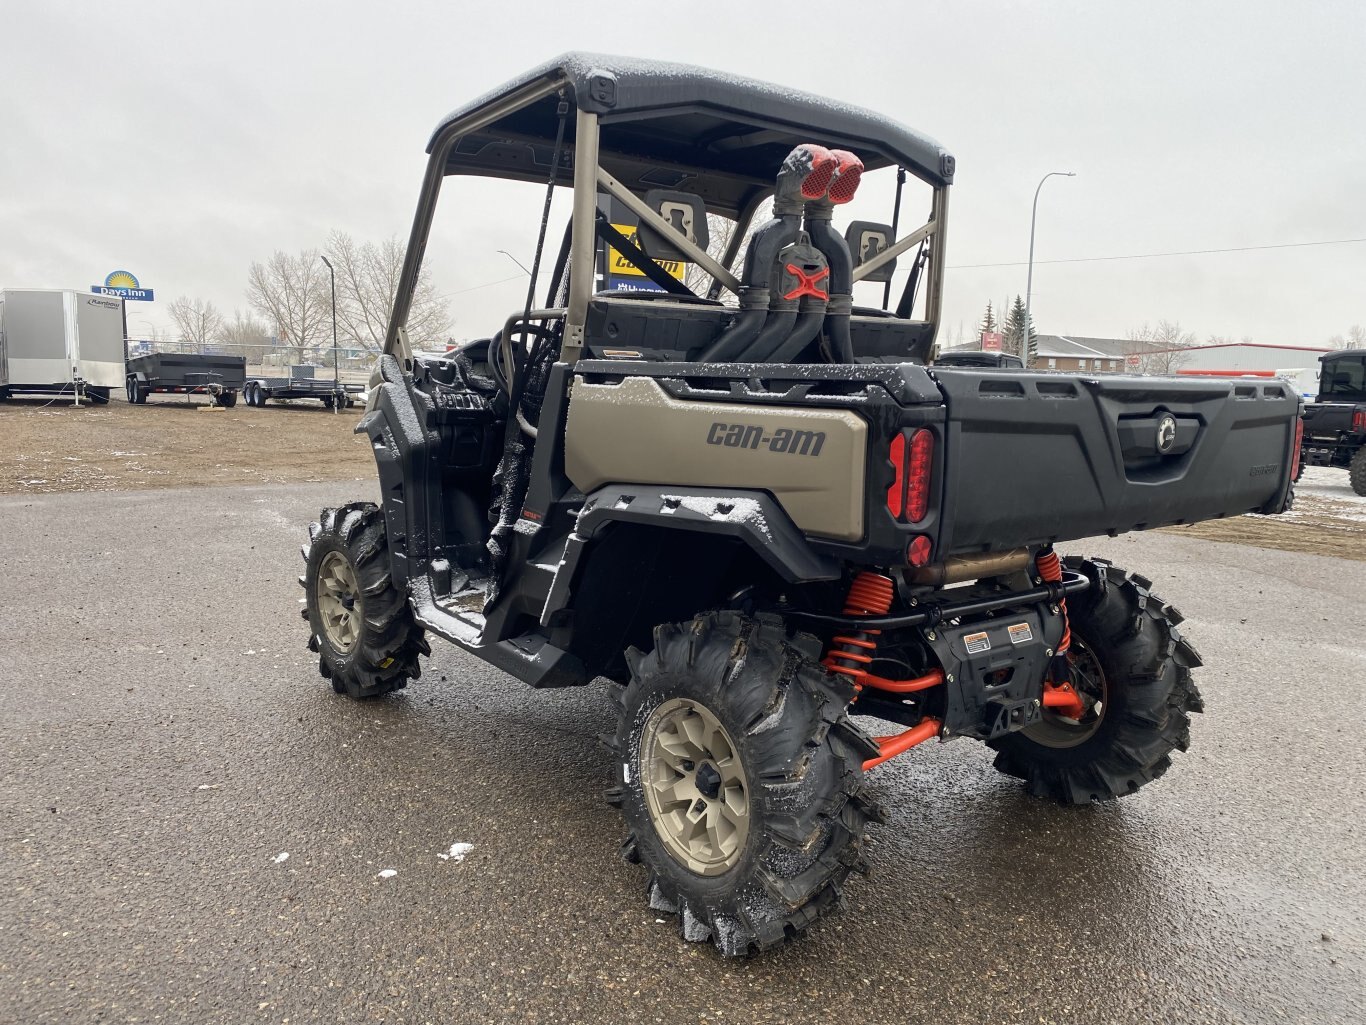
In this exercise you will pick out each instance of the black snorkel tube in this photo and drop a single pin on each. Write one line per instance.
(805, 175)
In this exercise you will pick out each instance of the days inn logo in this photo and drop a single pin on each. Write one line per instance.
(124, 285)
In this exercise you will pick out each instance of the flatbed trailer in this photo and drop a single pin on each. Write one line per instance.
(300, 384)
(186, 373)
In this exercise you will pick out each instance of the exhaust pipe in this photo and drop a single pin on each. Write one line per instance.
(805, 176)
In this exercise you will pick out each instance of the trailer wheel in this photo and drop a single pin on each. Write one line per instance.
(137, 391)
(741, 780)
(98, 396)
(361, 627)
(328, 402)
(227, 398)
(1356, 471)
(1133, 670)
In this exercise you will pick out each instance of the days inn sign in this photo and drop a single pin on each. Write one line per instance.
(122, 284)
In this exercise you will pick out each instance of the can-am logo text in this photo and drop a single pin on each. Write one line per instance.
(784, 439)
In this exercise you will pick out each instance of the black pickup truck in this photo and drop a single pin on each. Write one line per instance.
(1335, 425)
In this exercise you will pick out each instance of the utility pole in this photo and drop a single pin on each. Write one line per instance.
(336, 372)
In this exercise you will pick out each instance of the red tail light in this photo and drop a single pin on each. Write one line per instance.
(918, 475)
(896, 494)
(908, 499)
(1359, 420)
(1299, 448)
(918, 551)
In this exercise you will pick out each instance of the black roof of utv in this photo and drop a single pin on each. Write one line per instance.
(667, 125)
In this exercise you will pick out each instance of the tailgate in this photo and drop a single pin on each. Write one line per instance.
(1328, 418)
(1036, 457)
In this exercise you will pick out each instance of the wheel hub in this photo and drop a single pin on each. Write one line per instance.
(338, 597)
(695, 787)
(708, 781)
(1057, 728)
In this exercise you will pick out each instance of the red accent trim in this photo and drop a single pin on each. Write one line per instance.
(806, 283)
(890, 747)
(1299, 444)
(1236, 345)
(1063, 699)
(1226, 373)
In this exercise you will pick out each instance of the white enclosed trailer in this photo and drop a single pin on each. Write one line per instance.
(51, 338)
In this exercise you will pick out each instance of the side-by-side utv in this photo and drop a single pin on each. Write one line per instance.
(752, 507)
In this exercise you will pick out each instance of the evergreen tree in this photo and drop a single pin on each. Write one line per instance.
(1015, 331)
(988, 322)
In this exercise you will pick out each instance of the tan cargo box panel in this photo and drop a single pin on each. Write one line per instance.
(634, 432)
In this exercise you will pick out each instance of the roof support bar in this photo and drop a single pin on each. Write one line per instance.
(690, 249)
(582, 251)
(431, 189)
(893, 251)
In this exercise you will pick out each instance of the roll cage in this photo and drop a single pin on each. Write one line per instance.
(647, 124)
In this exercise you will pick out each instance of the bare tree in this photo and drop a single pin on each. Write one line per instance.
(293, 294)
(720, 230)
(1356, 337)
(246, 336)
(1160, 349)
(197, 320)
(367, 282)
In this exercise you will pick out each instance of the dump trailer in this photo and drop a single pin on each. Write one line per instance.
(60, 340)
(300, 383)
(186, 373)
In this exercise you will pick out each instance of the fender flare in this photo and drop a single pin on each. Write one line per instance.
(753, 517)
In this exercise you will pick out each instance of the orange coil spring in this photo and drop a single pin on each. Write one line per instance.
(870, 595)
(1050, 569)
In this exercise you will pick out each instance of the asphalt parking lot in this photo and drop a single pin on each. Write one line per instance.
(166, 740)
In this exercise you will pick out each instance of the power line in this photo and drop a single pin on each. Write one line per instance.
(1155, 256)
(486, 284)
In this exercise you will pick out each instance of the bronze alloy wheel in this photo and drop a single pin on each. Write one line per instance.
(695, 787)
(339, 601)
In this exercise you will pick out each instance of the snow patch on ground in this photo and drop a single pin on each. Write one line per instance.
(457, 852)
(280, 858)
(388, 873)
(1325, 493)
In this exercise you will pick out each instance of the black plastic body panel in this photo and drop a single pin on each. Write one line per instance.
(1035, 457)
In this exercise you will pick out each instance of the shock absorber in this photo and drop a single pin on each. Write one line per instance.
(849, 655)
(1058, 692)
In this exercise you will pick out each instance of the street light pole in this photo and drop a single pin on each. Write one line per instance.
(1029, 279)
(514, 259)
(336, 373)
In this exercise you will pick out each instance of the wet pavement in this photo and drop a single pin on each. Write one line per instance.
(166, 738)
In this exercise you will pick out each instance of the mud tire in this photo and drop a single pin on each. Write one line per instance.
(1356, 471)
(803, 760)
(1150, 694)
(384, 656)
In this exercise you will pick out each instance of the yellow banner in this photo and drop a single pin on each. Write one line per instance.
(618, 264)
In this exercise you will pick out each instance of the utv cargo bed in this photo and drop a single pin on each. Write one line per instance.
(1038, 457)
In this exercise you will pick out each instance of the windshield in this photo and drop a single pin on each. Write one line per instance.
(1344, 379)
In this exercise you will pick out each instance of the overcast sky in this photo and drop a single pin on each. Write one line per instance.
(181, 141)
